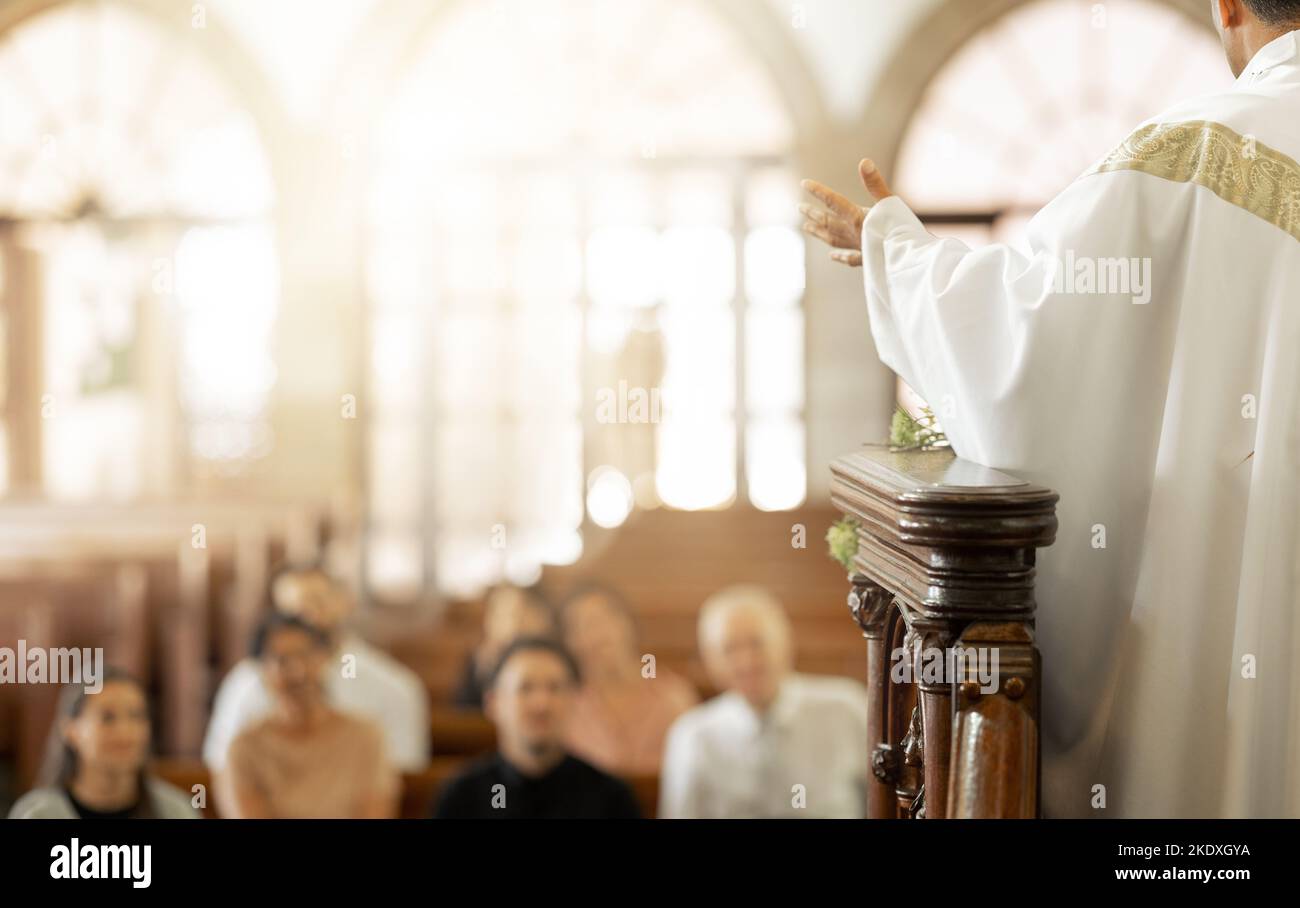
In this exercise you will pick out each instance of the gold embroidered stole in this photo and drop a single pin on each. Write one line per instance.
(1238, 169)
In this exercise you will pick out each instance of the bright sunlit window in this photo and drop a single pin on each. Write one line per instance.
(137, 193)
(625, 223)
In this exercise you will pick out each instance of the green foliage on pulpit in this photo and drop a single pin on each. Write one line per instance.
(842, 540)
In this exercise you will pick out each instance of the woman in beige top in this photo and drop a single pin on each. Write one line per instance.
(626, 703)
(305, 760)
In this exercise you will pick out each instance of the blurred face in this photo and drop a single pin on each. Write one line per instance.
(599, 635)
(747, 651)
(111, 733)
(531, 702)
(293, 664)
(512, 614)
(314, 598)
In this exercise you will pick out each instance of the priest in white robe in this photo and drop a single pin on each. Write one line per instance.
(1138, 355)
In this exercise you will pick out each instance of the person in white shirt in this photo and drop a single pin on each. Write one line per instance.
(774, 743)
(364, 680)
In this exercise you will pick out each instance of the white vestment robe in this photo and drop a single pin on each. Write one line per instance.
(1132, 355)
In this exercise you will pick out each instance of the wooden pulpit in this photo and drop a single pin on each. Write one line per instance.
(943, 591)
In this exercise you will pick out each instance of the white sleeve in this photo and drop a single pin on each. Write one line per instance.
(993, 338)
(240, 701)
(680, 779)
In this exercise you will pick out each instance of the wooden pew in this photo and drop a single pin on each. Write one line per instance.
(86, 607)
(460, 733)
(200, 604)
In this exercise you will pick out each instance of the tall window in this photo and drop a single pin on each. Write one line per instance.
(134, 198)
(585, 287)
(1036, 98)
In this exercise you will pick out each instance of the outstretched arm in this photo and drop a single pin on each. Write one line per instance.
(1006, 346)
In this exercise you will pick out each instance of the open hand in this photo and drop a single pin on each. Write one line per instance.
(840, 224)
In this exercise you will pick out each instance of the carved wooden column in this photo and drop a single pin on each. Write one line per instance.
(943, 591)
(869, 604)
(935, 696)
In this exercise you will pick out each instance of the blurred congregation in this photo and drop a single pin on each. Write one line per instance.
(551, 713)
(402, 459)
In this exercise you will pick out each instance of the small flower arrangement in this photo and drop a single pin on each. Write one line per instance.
(842, 541)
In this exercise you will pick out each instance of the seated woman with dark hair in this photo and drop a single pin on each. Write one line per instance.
(306, 759)
(95, 766)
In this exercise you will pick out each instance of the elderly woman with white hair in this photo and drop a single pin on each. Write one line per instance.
(775, 743)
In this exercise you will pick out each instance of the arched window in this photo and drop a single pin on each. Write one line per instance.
(141, 281)
(1033, 100)
(585, 286)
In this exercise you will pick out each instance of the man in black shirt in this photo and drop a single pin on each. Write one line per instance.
(529, 698)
